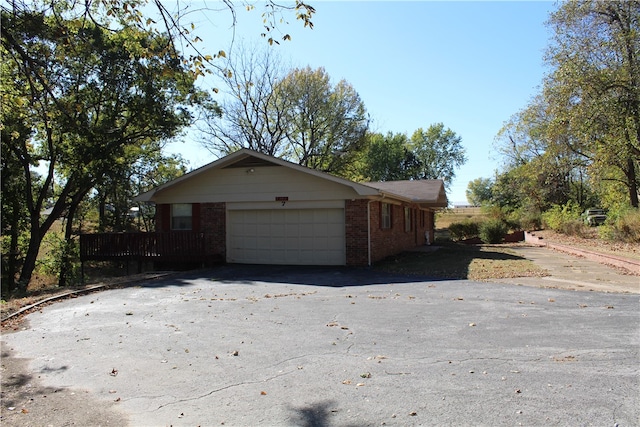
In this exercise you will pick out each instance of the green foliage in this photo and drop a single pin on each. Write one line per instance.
(60, 253)
(479, 191)
(464, 230)
(623, 224)
(593, 90)
(87, 110)
(326, 123)
(439, 151)
(493, 231)
(564, 218)
(527, 219)
(578, 140)
(387, 158)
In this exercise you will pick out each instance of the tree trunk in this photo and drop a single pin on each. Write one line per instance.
(30, 259)
(633, 184)
(10, 277)
(65, 259)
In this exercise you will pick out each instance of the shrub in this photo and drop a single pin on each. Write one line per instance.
(493, 231)
(623, 223)
(60, 252)
(463, 230)
(564, 218)
(528, 219)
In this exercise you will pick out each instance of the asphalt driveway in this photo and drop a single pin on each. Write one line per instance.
(247, 346)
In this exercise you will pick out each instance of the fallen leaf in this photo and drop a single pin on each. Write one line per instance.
(25, 411)
(365, 375)
(263, 393)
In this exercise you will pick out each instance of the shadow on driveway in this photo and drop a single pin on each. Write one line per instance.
(300, 275)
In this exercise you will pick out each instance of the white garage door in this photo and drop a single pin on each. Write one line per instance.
(288, 237)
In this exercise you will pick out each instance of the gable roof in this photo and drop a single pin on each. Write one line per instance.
(427, 193)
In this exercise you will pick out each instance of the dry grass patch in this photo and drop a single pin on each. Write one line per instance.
(459, 261)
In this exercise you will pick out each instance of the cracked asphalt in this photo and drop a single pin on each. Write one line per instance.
(277, 346)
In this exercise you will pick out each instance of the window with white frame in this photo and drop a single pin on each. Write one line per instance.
(181, 216)
(385, 216)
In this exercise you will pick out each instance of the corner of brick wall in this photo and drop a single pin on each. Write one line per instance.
(213, 218)
(356, 232)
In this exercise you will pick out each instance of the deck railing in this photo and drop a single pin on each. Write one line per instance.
(183, 246)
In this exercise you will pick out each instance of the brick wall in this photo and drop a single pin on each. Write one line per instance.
(384, 242)
(391, 241)
(213, 223)
(356, 235)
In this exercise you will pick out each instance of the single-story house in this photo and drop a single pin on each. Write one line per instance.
(258, 209)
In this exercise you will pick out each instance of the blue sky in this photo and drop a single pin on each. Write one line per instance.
(470, 65)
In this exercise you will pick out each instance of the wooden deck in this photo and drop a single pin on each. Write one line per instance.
(181, 246)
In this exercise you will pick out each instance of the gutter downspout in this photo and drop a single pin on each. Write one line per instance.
(369, 233)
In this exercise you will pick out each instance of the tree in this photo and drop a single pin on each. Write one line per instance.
(325, 124)
(593, 90)
(439, 151)
(300, 116)
(114, 196)
(387, 158)
(87, 108)
(253, 114)
(548, 172)
(479, 191)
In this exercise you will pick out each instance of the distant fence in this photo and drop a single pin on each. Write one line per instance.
(181, 246)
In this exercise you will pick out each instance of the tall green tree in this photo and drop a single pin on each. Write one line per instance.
(90, 100)
(388, 158)
(548, 172)
(325, 124)
(479, 191)
(593, 91)
(439, 151)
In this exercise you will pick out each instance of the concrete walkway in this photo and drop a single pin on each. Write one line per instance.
(573, 272)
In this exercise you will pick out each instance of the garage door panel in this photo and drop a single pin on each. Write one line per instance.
(294, 236)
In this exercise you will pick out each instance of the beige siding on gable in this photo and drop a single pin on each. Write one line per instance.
(264, 184)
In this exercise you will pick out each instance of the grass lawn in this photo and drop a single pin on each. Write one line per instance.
(460, 261)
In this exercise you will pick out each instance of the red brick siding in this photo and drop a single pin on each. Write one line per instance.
(209, 218)
(387, 242)
(213, 222)
(356, 235)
